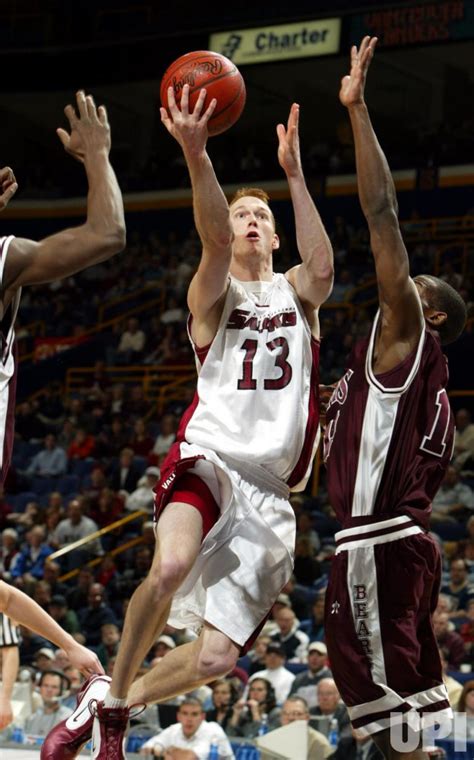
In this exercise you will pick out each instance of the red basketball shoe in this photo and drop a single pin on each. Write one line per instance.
(65, 740)
(109, 732)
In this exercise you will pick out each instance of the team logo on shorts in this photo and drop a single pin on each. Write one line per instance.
(335, 608)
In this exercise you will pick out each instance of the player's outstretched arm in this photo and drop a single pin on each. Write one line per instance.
(24, 611)
(313, 278)
(103, 233)
(211, 210)
(402, 316)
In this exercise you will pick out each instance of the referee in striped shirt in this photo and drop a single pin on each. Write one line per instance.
(9, 643)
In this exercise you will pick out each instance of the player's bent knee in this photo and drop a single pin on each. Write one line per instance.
(216, 662)
(169, 575)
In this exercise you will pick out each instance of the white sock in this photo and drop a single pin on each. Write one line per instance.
(112, 702)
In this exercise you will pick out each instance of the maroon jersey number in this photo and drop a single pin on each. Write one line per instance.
(248, 383)
(435, 442)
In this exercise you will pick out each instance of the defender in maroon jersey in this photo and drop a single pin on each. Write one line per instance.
(388, 440)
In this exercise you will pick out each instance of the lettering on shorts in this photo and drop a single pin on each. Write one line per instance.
(361, 615)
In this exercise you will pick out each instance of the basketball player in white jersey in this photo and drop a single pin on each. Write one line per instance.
(225, 530)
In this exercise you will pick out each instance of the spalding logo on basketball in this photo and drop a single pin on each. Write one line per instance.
(221, 78)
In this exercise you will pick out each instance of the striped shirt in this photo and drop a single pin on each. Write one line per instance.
(9, 633)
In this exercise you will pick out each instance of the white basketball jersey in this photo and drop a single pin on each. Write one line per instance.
(8, 365)
(257, 391)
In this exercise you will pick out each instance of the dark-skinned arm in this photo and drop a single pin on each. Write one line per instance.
(102, 234)
(401, 310)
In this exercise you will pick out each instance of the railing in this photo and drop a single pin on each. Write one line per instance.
(444, 228)
(156, 291)
(153, 302)
(156, 379)
(98, 534)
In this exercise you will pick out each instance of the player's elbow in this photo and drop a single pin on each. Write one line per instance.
(383, 217)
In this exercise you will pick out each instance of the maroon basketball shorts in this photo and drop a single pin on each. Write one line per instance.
(383, 589)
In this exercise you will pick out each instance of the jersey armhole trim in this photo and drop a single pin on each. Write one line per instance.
(369, 373)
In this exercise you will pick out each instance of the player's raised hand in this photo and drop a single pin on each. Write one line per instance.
(289, 143)
(90, 131)
(9, 186)
(353, 85)
(188, 128)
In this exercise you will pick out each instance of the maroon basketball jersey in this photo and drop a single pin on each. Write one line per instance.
(389, 437)
(8, 365)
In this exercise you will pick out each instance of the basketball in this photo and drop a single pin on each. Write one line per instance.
(221, 78)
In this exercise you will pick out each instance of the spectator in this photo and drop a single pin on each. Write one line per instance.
(143, 496)
(131, 344)
(466, 705)
(173, 312)
(357, 747)
(249, 712)
(43, 659)
(75, 527)
(296, 708)
(107, 508)
(257, 654)
(51, 573)
(329, 707)
(141, 442)
(224, 695)
(52, 712)
(305, 682)
(454, 499)
(125, 473)
(458, 588)
(95, 615)
(9, 553)
(450, 642)
(304, 527)
(60, 612)
(50, 462)
(307, 568)
(343, 287)
(298, 598)
(192, 733)
(464, 441)
(166, 435)
(465, 548)
(76, 679)
(162, 646)
(30, 564)
(78, 595)
(314, 626)
(294, 642)
(110, 639)
(82, 446)
(280, 677)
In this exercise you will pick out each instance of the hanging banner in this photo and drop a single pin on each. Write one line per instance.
(278, 43)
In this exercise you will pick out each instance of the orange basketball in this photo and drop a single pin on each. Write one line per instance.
(218, 75)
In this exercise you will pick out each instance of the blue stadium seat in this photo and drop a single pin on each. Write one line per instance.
(22, 499)
(81, 467)
(44, 485)
(68, 483)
